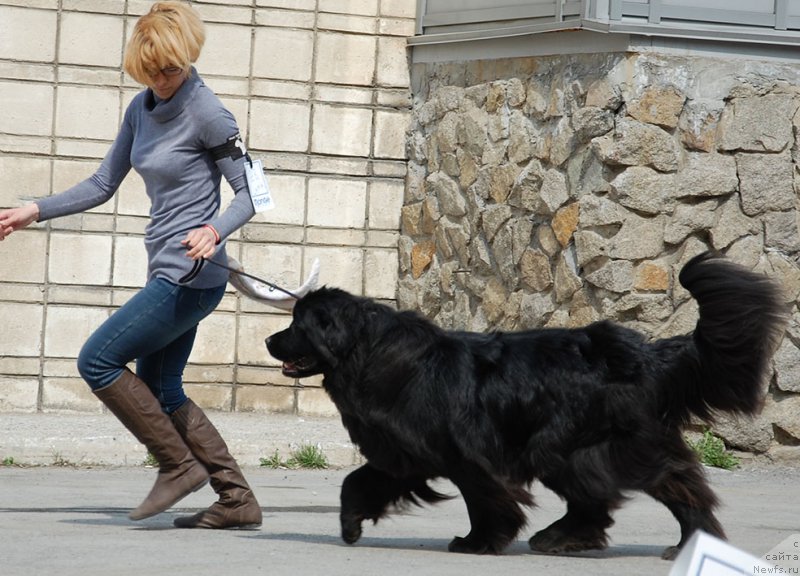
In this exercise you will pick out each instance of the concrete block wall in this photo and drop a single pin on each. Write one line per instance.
(320, 89)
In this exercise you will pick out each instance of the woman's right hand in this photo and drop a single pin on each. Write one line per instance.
(14, 219)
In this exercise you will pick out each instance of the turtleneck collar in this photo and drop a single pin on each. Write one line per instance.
(166, 110)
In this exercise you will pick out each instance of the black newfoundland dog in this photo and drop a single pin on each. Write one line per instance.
(590, 412)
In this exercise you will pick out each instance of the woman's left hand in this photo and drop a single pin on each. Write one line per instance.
(201, 243)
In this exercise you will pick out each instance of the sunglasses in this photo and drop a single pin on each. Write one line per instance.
(169, 72)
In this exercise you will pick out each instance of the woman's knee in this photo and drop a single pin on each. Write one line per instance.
(97, 372)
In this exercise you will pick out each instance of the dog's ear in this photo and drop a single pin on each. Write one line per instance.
(332, 331)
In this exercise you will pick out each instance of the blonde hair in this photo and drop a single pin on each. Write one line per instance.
(171, 34)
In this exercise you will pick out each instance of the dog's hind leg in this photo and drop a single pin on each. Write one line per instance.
(368, 493)
(583, 527)
(684, 490)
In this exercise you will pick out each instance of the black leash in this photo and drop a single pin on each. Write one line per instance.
(198, 265)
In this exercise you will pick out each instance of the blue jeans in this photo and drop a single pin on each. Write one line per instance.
(156, 328)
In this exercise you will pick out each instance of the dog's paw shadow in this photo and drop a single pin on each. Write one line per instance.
(612, 552)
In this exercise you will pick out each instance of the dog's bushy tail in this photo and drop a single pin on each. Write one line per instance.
(743, 316)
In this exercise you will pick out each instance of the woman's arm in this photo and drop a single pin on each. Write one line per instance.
(98, 188)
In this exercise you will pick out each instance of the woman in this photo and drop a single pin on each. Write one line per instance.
(181, 139)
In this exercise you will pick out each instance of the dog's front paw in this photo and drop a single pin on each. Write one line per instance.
(351, 528)
(467, 546)
(553, 541)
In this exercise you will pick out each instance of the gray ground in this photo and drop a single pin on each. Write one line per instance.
(72, 520)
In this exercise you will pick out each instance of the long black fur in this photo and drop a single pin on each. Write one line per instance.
(591, 412)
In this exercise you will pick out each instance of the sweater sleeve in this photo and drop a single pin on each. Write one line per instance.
(98, 188)
(225, 144)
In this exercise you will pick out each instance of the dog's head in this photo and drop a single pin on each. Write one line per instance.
(324, 328)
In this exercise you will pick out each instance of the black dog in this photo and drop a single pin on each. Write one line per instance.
(590, 412)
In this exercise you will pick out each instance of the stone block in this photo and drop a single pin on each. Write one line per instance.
(283, 54)
(230, 12)
(340, 165)
(216, 340)
(635, 143)
(639, 238)
(68, 395)
(342, 131)
(130, 262)
(340, 268)
(253, 329)
(226, 51)
(398, 8)
(30, 268)
(285, 18)
(105, 47)
(74, 119)
(360, 7)
(289, 195)
(335, 237)
(645, 190)
(660, 105)
(278, 264)
(315, 402)
(345, 58)
(382, 268)
(19, 366)
(63, 368)
(102, 6)
(288, 4)
(81, 148)
(68, 327)
(337, 203)
(391, 130)
(81, 295)
(210, 397)
(16, 40)
(758, 124)
(22, 177)
(343, 94)
(27, 108)
(765, 182)
(404, 27)
(19, 394)
(265, 399)
(280, 125)
(22, 328)
(346, 23)
(80, 259)
(385, 204)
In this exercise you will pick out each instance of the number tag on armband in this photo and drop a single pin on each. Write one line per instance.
(259, 189)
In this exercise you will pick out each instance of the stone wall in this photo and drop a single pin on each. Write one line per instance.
(557, 191)
(320, 89)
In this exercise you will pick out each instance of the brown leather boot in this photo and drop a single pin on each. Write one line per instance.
(237, 507)
(179, 473)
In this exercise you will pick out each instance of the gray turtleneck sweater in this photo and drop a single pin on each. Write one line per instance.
(181, 147)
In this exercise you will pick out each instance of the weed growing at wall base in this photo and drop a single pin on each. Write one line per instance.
(712, 452)
(307, 456)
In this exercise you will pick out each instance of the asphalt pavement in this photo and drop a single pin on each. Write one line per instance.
(72, 520)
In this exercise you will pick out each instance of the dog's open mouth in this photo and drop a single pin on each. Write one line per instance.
(300, 367)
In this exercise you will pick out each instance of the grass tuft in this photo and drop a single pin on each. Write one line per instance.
(306, 457)
(712, 451)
